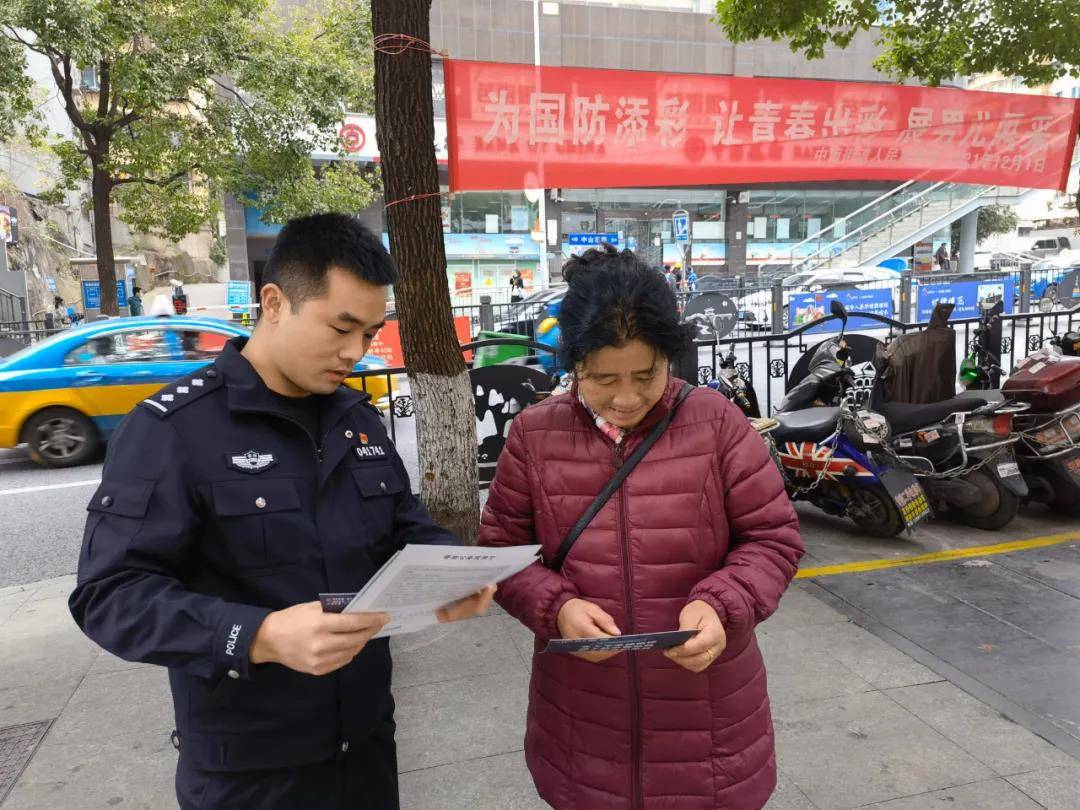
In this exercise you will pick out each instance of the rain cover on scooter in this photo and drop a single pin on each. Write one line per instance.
(920, 367)
(820, 385)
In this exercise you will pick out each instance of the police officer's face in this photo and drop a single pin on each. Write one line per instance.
(317, 346)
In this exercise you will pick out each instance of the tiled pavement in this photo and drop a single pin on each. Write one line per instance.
(859, 723)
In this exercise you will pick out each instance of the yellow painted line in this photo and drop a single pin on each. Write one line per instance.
(939, 556)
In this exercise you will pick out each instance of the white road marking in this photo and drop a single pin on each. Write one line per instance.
(69, 485)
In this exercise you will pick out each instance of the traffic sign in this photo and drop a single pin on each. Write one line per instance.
(681, 222)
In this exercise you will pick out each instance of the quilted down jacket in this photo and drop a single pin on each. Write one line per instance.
(703, 516)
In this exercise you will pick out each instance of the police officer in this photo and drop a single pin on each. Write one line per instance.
(232, 498)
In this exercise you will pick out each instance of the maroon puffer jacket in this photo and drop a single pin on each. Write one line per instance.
(703, 516)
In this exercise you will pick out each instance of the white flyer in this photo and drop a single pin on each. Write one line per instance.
(420, 579)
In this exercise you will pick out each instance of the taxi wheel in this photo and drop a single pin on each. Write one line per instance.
(60, 437)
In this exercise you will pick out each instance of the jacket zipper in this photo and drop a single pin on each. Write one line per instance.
(635, 708)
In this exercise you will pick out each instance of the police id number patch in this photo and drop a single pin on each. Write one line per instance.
(252, 461)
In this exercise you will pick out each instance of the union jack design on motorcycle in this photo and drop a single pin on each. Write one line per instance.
(807, 460)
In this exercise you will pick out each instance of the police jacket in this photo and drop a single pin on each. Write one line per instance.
(214, 510)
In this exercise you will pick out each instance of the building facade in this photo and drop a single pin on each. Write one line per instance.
(735, 230)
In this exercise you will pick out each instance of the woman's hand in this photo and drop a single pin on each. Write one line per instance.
(581, 619)
(699, 652)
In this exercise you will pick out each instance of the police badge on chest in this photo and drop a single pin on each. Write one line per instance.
(252, 461)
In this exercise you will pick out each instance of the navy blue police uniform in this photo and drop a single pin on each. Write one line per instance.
(217, 507)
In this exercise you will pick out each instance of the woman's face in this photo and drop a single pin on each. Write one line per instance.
(623, 383)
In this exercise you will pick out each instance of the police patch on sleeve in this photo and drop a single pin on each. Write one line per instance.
(252, 461)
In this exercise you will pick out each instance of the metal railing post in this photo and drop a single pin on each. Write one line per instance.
(904, 314)
(777, 308)
(1025, 289)
(487, 314)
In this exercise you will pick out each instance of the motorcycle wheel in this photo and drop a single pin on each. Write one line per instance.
(995, 509)
(873, 510)
(1066, 498)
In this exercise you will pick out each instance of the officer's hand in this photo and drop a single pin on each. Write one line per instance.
(306, 639)
(467, 608)
(579, 618)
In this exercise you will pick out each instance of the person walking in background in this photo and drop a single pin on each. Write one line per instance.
(691, 280)
(135, 302)
(517, 287)
(942, 257)
(699, 536)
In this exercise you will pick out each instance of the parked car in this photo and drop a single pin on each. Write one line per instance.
(755, 308)
(520, 318)
(64, 396)
(1053, 245)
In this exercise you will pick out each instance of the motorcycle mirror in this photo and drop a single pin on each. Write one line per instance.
(837, 309)
(1046, 305)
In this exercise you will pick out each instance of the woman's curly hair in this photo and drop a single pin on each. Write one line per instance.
(613, 298)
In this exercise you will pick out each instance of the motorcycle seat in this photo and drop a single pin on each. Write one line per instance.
(805, 425)
(990, 395)
(904, 417)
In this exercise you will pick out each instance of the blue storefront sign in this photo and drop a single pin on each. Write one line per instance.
(91, 294)
(965, 295)
(592, 239)
(238, 296)
(803, 309)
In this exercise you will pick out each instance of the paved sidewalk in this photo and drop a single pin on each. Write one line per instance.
(859, 724)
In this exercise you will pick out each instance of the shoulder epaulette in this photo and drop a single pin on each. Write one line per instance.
(183, 391)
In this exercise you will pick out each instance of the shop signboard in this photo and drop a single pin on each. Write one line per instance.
(520, 126)
(965, 296)
(809, 307)
(387, 344)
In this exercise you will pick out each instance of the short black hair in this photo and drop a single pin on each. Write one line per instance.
(613, 298)
(308, 247)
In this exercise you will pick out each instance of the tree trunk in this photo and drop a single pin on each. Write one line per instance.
(438, 378)
(101, 184)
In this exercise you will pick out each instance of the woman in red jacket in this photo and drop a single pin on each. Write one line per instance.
(700, 536)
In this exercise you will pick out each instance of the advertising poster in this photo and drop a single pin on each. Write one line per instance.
(804, 309)
(966, 295)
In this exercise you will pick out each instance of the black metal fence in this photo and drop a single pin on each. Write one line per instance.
(771, 363)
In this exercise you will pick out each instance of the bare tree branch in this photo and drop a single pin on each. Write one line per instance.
(172, 178)
(232, 90)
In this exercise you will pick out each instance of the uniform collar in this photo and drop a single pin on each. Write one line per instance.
(247, 393)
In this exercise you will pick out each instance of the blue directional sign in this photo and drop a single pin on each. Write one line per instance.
(681, 222)
(593, 239)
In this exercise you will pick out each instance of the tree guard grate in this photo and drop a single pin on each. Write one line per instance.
(17, 746)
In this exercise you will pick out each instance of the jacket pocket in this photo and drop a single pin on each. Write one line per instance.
(261, 522)
(377, 480)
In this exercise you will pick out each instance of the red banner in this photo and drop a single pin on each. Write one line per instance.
(518, 126)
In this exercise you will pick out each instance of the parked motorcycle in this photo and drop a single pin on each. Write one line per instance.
(1048, 380)
(838, 457)
(962, 448)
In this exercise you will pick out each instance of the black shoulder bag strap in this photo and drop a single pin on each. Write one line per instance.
(556, 562)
